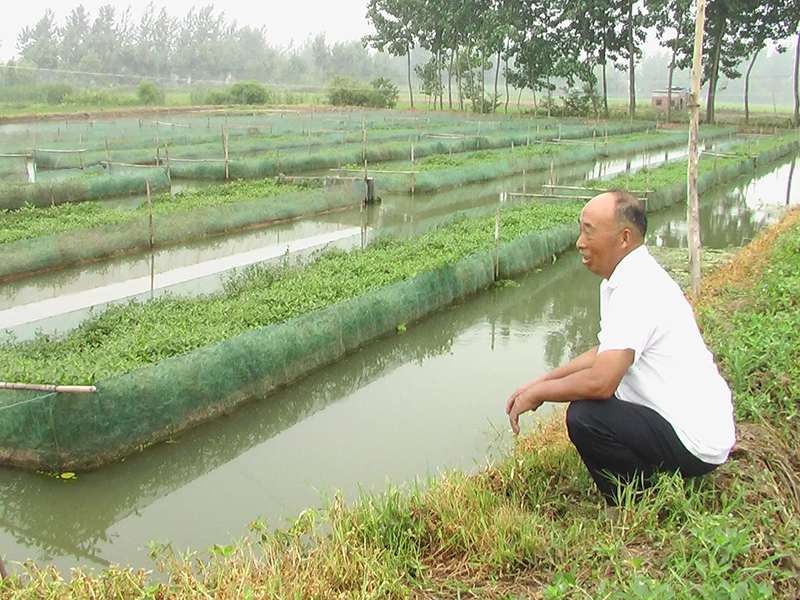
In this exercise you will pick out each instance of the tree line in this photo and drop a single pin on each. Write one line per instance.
(203, 46)
(538, 42)
(459, 52)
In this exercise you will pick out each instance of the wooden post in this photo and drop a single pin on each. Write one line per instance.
(166, 155)
(524, 181)
(108, 156)
(30, 168)
(693, 208)
(497, 245)
(152, 238)
(225, 152)
(150, 213)
(364, 144)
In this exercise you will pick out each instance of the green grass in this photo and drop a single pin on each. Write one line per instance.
(128, 336)
(756, 339)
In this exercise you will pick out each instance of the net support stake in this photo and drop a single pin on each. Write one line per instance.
(40, 387)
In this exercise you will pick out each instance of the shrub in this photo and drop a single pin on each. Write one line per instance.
(347, 91)
(90, 98)
(248, 92)
(54, 93)
(384, 93)
(217, 97)
(148, 94)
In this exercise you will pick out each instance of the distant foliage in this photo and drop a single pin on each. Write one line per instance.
(148, 94)
(349, 91)
(249, 92)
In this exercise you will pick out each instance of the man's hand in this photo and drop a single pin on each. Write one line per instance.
(521, 401)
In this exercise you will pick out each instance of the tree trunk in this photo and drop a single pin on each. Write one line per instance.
(631, 63)
(549, 97)
(594, 99)
(458, 80)
(439, 75)
(604, 78)
(508, 93)
(747, 88)
(669, 81)
(450, 82)
(713, 78)
(797, 83)
(496, 80)
(483, 80)
(410, 88)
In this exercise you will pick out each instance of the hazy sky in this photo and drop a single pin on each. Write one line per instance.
(341, 20)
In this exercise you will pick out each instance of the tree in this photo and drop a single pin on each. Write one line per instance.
(39, 46)
(73, 44)
(103, 39)
(675, 16)
(535, 47)
(392, 20)
(730, 27)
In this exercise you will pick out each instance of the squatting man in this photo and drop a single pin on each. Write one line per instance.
(649, 397)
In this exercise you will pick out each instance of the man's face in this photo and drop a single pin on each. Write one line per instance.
(601, 237)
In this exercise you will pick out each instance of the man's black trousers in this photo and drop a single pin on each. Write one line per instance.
(629, 442)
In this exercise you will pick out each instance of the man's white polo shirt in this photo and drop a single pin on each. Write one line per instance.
(643, 309)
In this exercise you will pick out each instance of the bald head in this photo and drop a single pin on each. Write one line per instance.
(613, 224)
(619, 208)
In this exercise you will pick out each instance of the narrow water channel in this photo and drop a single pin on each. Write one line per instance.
(60, 300)
(407, 406)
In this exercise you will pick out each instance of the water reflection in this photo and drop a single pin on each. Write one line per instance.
(79, 517)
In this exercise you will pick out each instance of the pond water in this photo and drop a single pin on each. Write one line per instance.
(59, 300)
(408, 406)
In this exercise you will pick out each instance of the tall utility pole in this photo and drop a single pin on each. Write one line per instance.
(694, 123)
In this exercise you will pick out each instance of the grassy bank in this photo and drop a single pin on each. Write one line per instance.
(531, 526)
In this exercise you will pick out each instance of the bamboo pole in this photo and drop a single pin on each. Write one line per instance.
(693, 208)
(39, 387)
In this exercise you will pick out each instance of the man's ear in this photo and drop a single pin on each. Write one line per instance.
(627, 237)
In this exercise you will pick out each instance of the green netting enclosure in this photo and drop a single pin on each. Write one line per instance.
(77, 431)
(94, 186)
(55, 251)
(62, 431)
